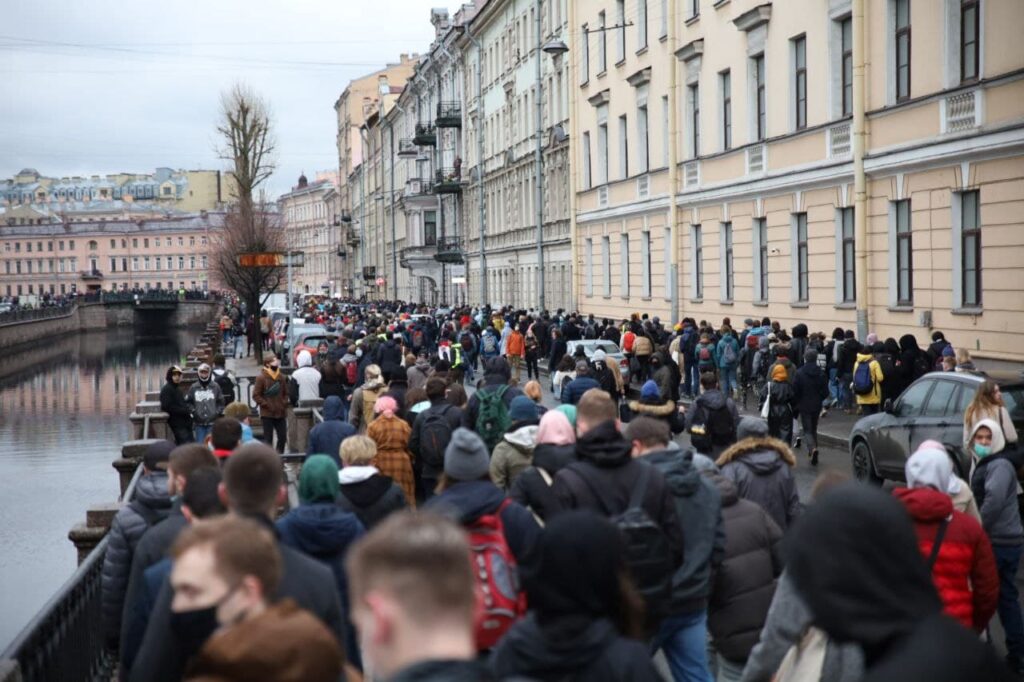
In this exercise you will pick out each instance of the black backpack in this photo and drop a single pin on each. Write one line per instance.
(435, 434)
(647, 550)
(227, 386)
(711, 428)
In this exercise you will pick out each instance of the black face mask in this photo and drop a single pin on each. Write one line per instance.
(194, 627)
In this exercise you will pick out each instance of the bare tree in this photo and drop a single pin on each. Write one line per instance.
(246, 132)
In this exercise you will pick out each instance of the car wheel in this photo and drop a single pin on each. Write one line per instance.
(863, 468)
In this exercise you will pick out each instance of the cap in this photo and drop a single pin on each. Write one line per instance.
(203, 368)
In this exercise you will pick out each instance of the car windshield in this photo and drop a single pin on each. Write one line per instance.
(314, 341)
(1013, 398)
(590, 346)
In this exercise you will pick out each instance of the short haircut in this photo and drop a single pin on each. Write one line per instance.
(185, 459)
(237, 410)
(357, 450)
(708, 380)
(649, 431)
(595, 407)
(226, 433)
(456, 395)
(201, 496)
(435, 388)
(422, 560)
(218, 360)
(252, 478)
(241, 547)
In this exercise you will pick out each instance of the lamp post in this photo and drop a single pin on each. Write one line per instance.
(555, 48)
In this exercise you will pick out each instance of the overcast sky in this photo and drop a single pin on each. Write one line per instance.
(108, 86)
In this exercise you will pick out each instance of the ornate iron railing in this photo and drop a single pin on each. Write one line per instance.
(28, 315)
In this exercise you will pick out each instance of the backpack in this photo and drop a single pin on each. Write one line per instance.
(822, 360)
(227, 386)
(628, 339)
(564, 382)
(500, 601)
(705, 357)
(863, 382)
(729, 354)
(711, 428)
(492, 420)
(490, 345)
(647, 550)
(417, 339)
(352, 373)
(435, 434)
(921, 366)
(753, 342)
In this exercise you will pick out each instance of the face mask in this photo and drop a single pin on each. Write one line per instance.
(982, 450)
(359, 352)
(275, 365)
(193, 628)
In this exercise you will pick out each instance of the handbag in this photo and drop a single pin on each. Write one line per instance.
(766, 408)
(805, 659)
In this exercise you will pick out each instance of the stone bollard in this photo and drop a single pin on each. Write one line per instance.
(152, 396)
(301, 423)
(131, 456)
(158, 423)
(86, 536)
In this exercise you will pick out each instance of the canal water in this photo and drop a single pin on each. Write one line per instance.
(64, 406)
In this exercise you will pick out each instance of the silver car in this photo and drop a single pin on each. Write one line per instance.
(614, 356)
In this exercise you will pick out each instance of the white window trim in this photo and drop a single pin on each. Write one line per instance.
(894, 261)
(589, 258)
(752, 97)
(665, 125)
(623, 133)
(695, 241)
(588, 179)
(606, 265)
(794, 261)
(663, 28)
(624, 257)
(838, 220)
(643, 135)
(837, 15)
(585, 56)
(759, 296)
(721, 111)
(691, 153)
(620, 33)
(723, 283)
(951, 43)
(792, 83)
(956, 204)
(645, 263)
(669, 283)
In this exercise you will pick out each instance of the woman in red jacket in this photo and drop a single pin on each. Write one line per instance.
(963, 566)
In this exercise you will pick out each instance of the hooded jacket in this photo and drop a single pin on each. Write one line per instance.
(857, 565)
(575, 389)
(466, 501)
(368, 494)
(531, 489)
(172, 401)
(761, 470)
(798, 344)
(710, 400)
(512, 456)
(325, 438)
(604, 477)
(667, 412)
(745, 581)
(994, 484)
(699, 508)
(497, 373)
(307, 377)
(391, 434)
(965, 571)
(877, 377)
(151, 505)
(418, 373)
(811, 388)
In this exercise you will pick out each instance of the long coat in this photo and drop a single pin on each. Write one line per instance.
(391, 434)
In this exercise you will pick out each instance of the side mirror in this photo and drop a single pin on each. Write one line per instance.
(888, 407)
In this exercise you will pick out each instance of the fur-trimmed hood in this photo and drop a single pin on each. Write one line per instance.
(771, 450)
(653, 410)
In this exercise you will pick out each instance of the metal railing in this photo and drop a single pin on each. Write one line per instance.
(64, 641)
(30, 314)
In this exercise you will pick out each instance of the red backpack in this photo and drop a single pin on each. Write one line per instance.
(352, 373)
(500, 599)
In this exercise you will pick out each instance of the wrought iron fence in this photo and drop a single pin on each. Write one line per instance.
(28, 315)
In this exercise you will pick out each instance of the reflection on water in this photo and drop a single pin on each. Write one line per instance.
(64, 408)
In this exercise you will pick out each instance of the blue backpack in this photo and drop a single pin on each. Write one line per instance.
(863, 382)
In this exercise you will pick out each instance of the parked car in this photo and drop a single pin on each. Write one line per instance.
(295, 332)
(931, 408)
(310, 341)
(613, 353)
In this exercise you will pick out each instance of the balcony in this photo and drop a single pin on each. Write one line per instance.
(449, 115)
(370, 273)
(91, 275)
(417, 257)
(407, 148)
(417, 187)
(353, 238)
(449, 250)
(448, 181)
(426, 135)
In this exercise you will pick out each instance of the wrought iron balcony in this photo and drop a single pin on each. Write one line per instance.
(91, 275)
(448, 181)
(407, 148)
(417, 187)
(449, 115)
(409, 254)
(426, 135)
(353, 238)
(370, 272)
(449, 250)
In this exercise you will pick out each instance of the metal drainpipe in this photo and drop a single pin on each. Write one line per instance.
(574, 147)
(539, 163)
(673, 172)
(362, 218)
(394, 232)
(480, 161)
(860, 219)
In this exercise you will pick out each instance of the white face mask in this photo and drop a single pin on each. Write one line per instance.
(359, 352)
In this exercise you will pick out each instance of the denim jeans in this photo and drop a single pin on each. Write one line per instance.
(691, 378)
(202, 431)
(727, 379)
(683, 638)
(833, 385)
(729, 671)
(1008, 607)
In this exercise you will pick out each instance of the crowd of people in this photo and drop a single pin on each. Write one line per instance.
(446, 534)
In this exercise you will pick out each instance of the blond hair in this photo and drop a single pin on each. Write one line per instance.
(357, 450)
(532, 390)
(237, 410)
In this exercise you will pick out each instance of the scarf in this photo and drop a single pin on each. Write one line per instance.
(271, 372)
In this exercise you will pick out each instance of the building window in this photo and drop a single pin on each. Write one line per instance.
(157, 262)
(800, 81)
(728, 273)
(181, 241)
(664, 126)
(170, 264)
(71, 245)
(902, 50)
(602, 154)
(643, 140)
(726, 110)
(135, 243)
(602, 44)
(606, 264)
(801, 257)
(181, 263)
(191, 241)
(846, 64)
(203, 261)
(624, 257)
(429, 228)
(623, 148)
(645, 259)
(698, 261)
(113, 244)
(620, 32)
(970, 40)
(145, 242)
(585, 57)
(970, 250)
(145, 263)
(848, 254)
(28, 247)
(695, 119)
(663, 29)
(761, 232)
(641, 24)
(17, 247)
(589, 257)
(587, 180)
(904, 255)
(694, 8)
(113, 265)
(191, 262)
(135, 263)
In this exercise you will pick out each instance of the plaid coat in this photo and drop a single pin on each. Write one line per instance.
(391, 434)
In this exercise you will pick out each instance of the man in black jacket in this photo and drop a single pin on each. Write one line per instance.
(683, 632)
(253, 488)
(811, 388)
(431, 433)
(172, 401)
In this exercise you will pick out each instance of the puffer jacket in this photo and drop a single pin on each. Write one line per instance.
(875, 396)
(667, 412)
(964, 572)
(698, 505)
(368, 494)
(761, 470)
(531, 489)
(325, 438)
(512, 455)
(744, 584)
(575, 389)
(151, 505)
(643, 345)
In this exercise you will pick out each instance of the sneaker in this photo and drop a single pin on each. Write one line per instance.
(796, 445)
(814, 458)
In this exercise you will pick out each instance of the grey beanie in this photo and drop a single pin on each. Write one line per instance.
(751, 427)
(466, 457)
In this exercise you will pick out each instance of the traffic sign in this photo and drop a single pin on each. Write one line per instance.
(272, 259)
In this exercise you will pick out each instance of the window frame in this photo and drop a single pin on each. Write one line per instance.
(975, 7)
(761, 227)
(800, 81)
(902, 31)
(725, 82)
(848, 255)
(803, 293)
(698, 261)
(846, 60)
(624, 259)
(760, 98)
(588, 178)
(693, 92)
(728, 263)
(602, 51)
(623, 146)
(641, 25)
(971, 233)
(904, 234)
(585, 56)
(620, 32)
(606, 265)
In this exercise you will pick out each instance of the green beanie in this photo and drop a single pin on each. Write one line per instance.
(318, 481)
(570, 412)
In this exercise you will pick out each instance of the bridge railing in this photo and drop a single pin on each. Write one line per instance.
(32, 314)
(63, 641)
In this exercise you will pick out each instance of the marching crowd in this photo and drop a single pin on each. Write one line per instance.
(447, 536)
